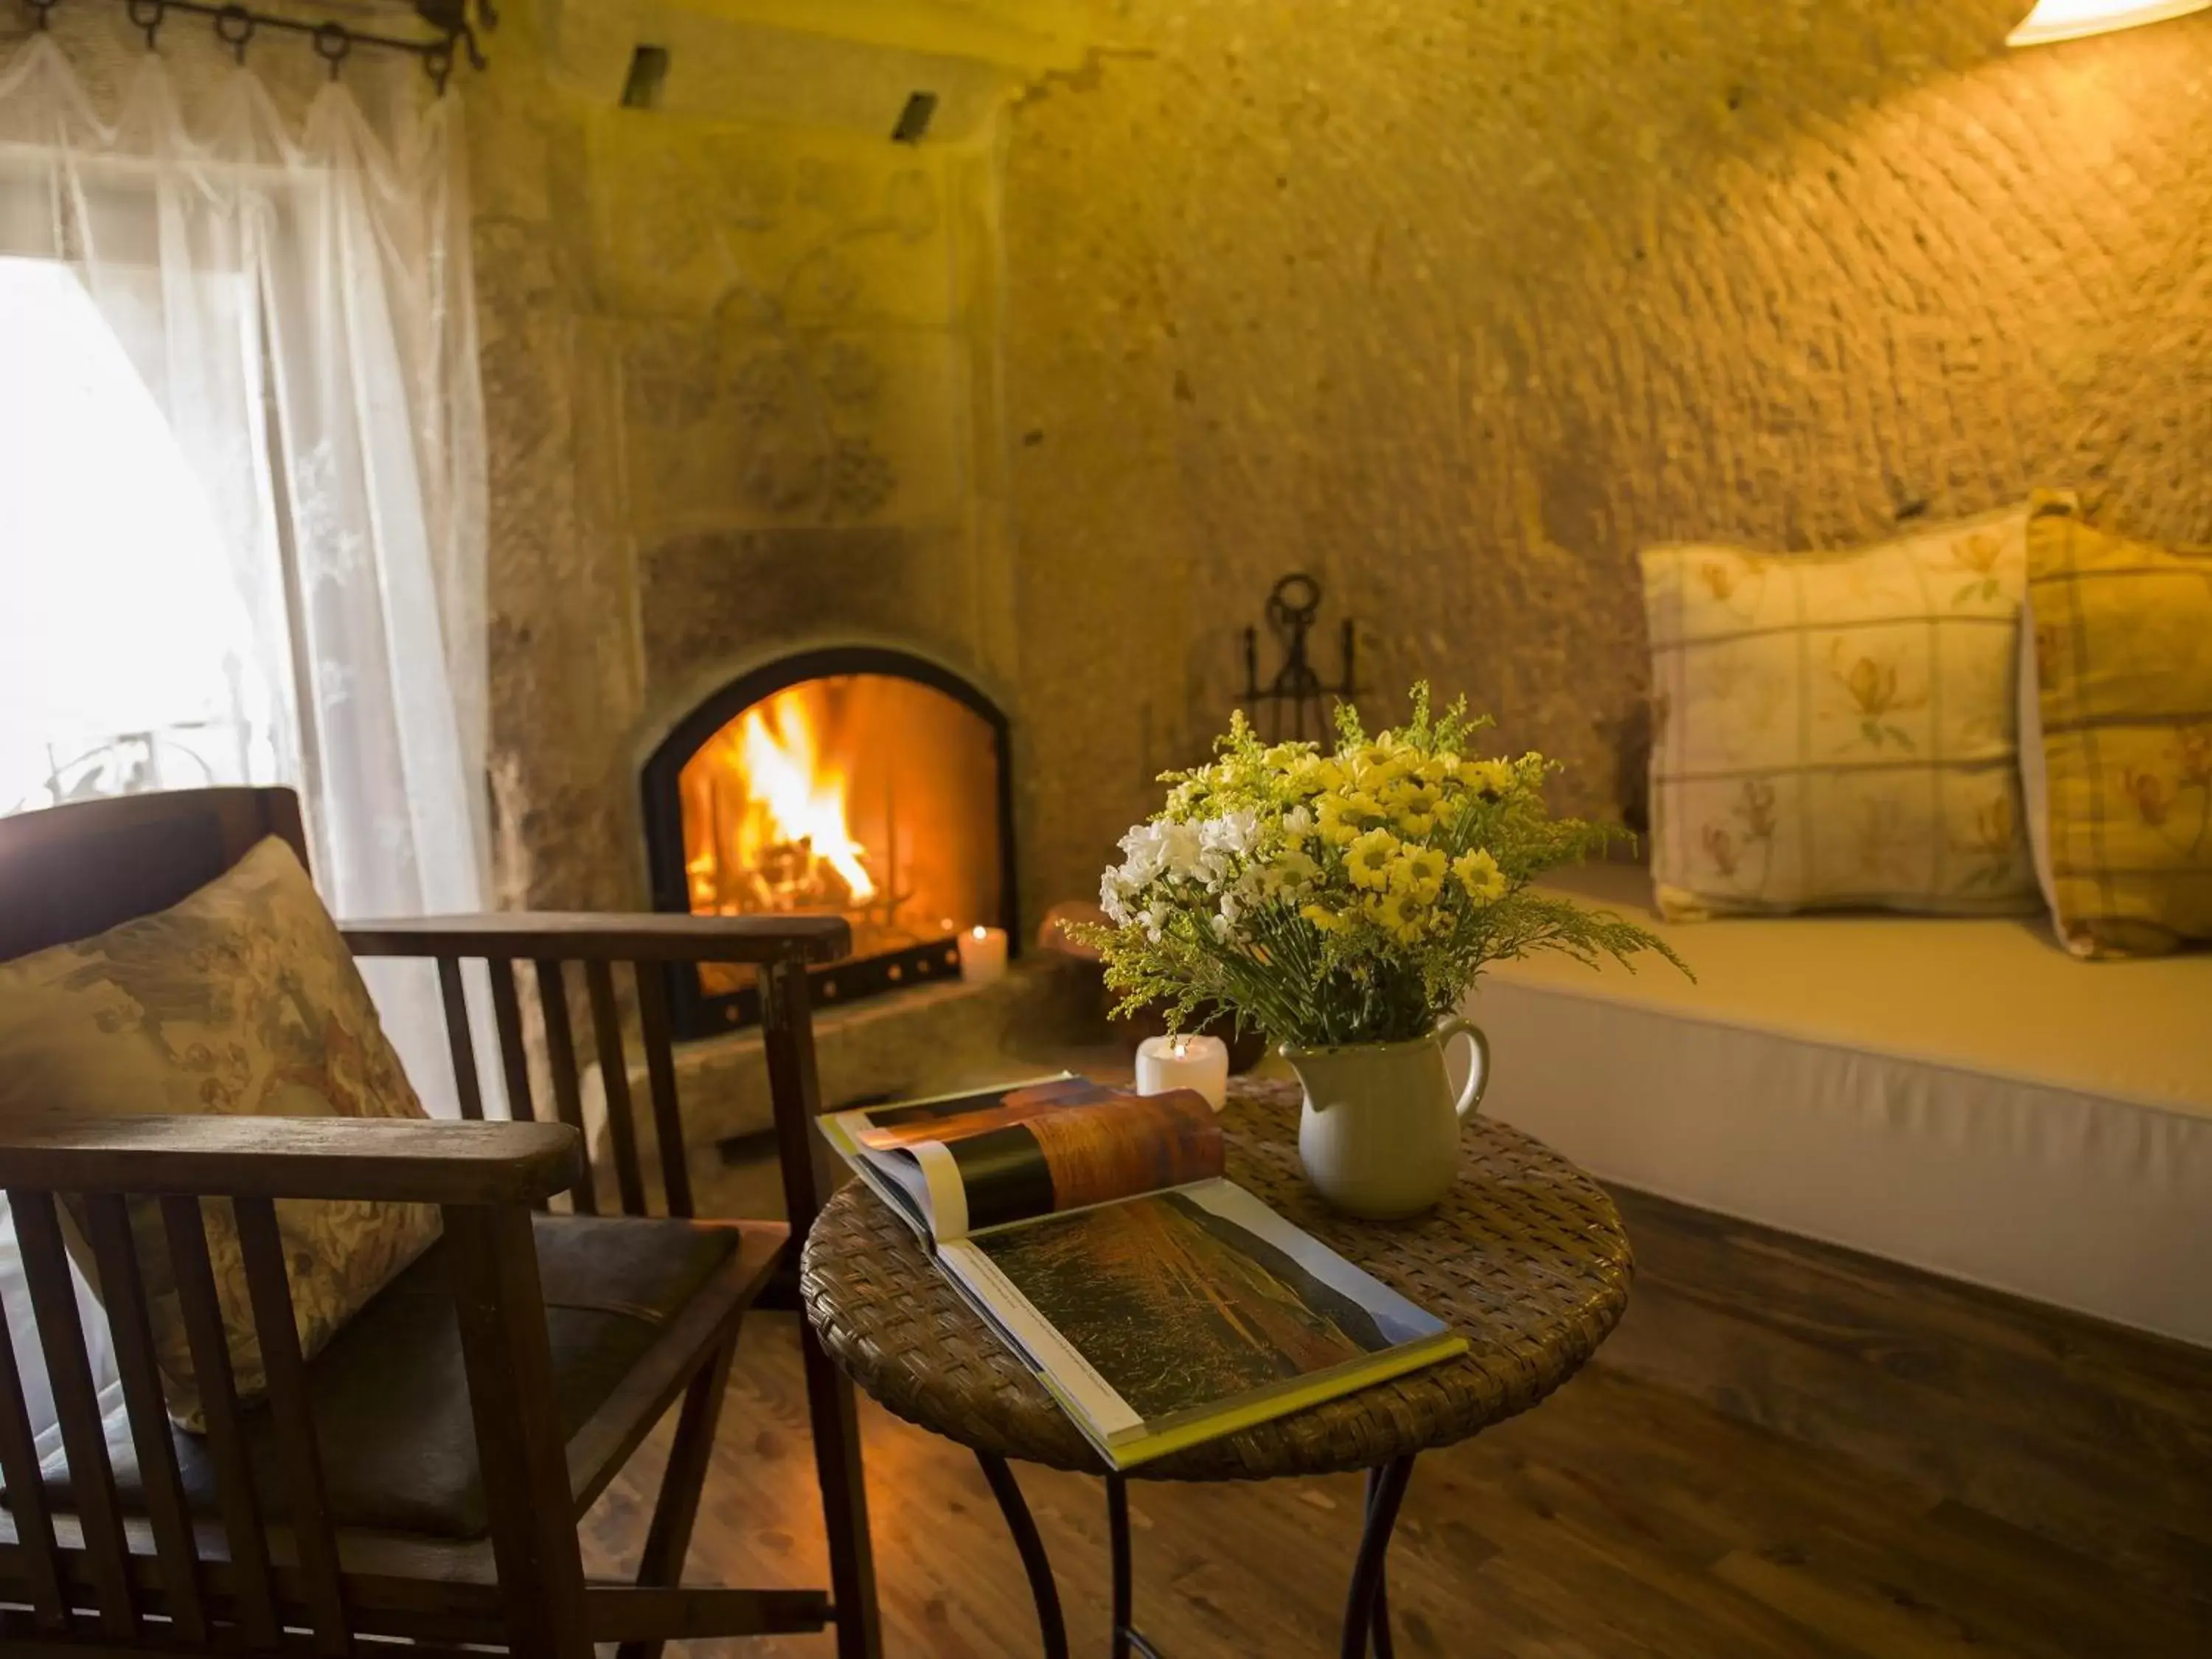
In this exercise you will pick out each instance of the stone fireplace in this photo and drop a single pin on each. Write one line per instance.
(860, 779)
(751, 482)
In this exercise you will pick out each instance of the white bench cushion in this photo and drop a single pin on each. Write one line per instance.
(1959, 1095)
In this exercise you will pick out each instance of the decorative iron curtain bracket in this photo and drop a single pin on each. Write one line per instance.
(235, 26)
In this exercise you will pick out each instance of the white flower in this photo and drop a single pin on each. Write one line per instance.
(1232, 832)
(1214, 868)
(1298, 822)
(1292, 871)
(1144, 854)
(1179, 848)
(1110, 900)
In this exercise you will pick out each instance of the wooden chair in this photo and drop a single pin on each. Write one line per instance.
(420, 1478)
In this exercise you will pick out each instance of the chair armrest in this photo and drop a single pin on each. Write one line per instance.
(404, 1160)
(584, 936)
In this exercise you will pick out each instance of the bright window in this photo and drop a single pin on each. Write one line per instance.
(127, 660)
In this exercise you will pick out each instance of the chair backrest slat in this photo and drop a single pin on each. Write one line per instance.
(560, 1059)
(184, 1225)
(76, 1405)
(660, 1074)
(72, 871)
(614, 1082)
(459, 1038)
(123, 1293)
(291, 1418)
(27, 1495)
(513, 1055)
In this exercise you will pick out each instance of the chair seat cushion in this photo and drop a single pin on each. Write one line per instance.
(390, 1395)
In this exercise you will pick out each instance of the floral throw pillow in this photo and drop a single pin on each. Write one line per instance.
(1840, 729)
(242, 1000)
(2116, 732)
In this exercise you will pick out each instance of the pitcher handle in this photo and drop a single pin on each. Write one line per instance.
(1478, 1075)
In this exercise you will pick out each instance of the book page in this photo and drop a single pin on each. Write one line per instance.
(990, 1158)
(957, 1116)
(1179, 1313)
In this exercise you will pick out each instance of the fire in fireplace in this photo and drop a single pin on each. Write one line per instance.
(858, 780)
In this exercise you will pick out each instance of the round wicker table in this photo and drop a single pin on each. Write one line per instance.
(1526, 1259)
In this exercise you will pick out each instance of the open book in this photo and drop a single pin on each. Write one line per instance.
(1159, 1303)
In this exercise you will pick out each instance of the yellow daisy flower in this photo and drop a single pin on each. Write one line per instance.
(1402, 914)
(1375, 770)
(1420, 871)
(1369, 858)
(1492, 777)
(1343, 816)
(1479, 874)
(1414, 804)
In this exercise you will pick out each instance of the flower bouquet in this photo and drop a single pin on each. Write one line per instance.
(1345, 901)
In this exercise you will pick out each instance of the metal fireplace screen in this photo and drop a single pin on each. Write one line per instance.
(859, 781)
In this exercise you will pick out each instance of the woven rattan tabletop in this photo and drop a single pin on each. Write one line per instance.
(1526, 1259)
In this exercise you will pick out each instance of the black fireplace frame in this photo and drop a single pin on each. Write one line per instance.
(692, 1012)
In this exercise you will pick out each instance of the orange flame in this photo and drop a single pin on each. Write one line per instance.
(796, 799)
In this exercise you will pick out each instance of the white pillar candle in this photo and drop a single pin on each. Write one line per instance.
(983, 954)
(1184, 1062)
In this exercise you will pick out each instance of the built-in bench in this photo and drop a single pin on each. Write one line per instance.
(1958, 1095)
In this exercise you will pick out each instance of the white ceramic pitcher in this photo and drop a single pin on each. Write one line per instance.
(1379, 1134)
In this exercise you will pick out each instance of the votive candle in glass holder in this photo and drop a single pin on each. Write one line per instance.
(982, 955)
(1184, 1062)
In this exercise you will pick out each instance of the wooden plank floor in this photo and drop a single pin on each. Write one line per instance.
(1785, 1451)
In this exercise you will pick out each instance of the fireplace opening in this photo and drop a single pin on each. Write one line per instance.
(859, 781)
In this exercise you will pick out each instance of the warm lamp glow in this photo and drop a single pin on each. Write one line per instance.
(2065, 20)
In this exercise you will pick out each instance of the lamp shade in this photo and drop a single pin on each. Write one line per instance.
(2064, 20)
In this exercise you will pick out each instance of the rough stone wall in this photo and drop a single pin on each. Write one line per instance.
(1457, 305)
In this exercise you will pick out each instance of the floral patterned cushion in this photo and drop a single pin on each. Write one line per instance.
(2116, 725)
(1840, 729)
(242, 1000)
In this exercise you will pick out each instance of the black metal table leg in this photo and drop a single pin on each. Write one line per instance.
(1035, 1562)
(1117, 1528)
(1366, 1611)
(1385, 1648)
(1129, 1642)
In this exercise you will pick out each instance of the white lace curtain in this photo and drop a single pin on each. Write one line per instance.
(262, 559)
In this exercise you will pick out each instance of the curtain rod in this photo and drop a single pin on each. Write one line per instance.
(235, 26)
